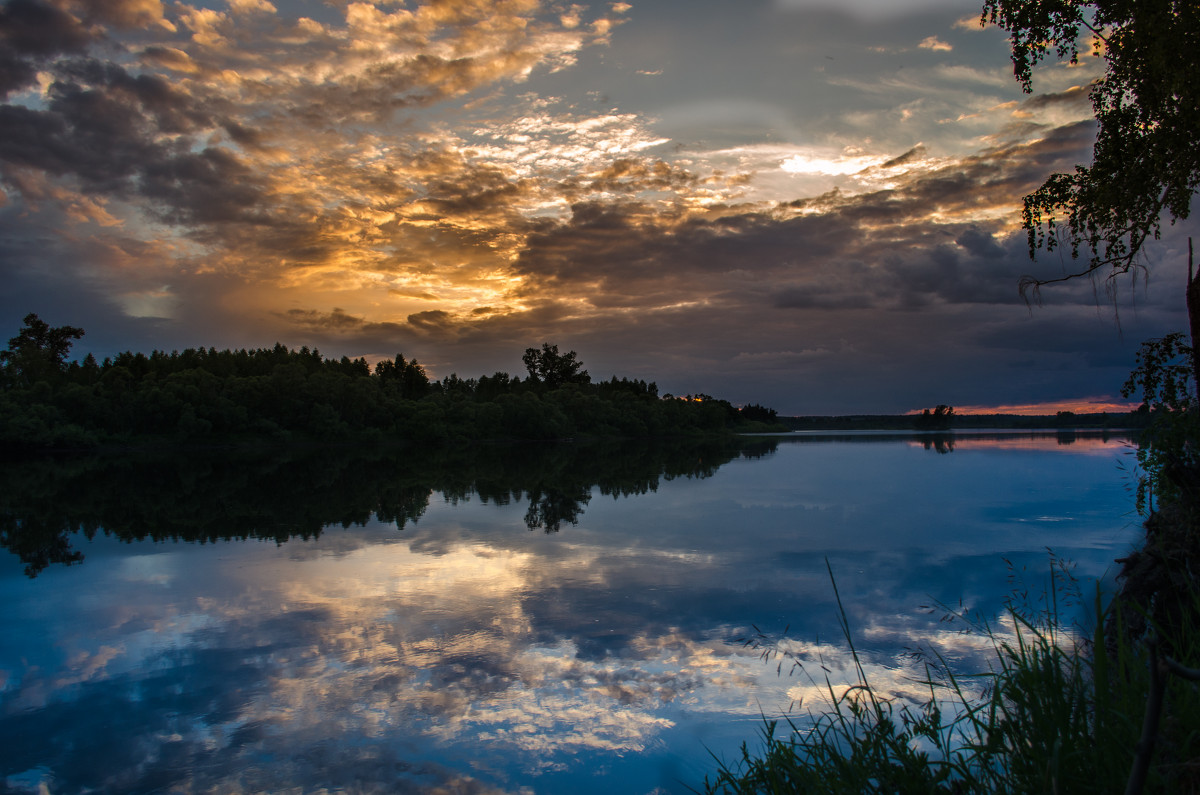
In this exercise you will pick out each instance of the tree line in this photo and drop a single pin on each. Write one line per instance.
(205, 395)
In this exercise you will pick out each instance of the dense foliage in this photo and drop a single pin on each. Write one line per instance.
(940, 419)
(1167, 451)
(280, 394)
(1145, 163)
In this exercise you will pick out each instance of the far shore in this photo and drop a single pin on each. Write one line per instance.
(1065, 421)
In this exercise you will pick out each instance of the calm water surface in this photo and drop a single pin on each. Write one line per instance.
(504, 620)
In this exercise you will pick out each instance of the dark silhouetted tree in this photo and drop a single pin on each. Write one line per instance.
(552, 369)
(757, 413)
(38, 352)
(408, 376)
(939, 419)
(1145, 162)
(1160, 378)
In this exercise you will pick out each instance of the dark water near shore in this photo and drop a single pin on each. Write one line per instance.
(500, 619)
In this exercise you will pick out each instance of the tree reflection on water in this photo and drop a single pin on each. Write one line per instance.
(297, 494)
(441, 646)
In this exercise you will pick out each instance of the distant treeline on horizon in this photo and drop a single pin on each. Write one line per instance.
(1136, 419)
(205, 395)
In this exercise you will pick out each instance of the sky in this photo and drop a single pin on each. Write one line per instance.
(806, 204)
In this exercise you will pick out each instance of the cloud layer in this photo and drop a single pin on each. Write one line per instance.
(453, 181)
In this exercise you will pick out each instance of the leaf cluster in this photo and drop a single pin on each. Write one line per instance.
(1145, 163)
(1167, 449)
(1162, 374)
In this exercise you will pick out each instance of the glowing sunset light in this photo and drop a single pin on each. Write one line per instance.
(671, 190)
(798, 164)
(1074, 443)
(1085, 406)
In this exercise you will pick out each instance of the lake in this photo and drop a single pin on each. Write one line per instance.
(518, 619)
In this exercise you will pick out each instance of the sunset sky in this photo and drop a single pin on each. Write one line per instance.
(811, 205)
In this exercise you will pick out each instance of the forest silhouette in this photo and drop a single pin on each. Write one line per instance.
(205, 395)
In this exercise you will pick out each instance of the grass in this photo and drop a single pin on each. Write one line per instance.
(1060, 711)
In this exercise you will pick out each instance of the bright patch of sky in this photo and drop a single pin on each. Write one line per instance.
(460, 180)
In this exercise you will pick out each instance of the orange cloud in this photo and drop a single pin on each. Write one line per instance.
(1097, 405)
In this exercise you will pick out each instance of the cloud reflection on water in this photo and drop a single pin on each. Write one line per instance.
(382, 645)
(464, 653)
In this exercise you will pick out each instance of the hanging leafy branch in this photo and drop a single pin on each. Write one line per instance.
(1145, 165)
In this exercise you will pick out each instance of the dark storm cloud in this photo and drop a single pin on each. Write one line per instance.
(32, 32)
(900, 247)
(207, 187)
(1059, 150)
(474, 192)
(914, 155)
(15, 72)
(34, 28)
(630, 255)
(139, 134)
(167, 109)
(169, 58)
(980, 243)
(339, 322)
(1075, 97)
(111, 130)
(433, 320)
(1070, 332)
(819, 297)
(99, 135)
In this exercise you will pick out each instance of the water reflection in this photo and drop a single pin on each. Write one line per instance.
(435, 644)
(1100, 439)
(297, 494)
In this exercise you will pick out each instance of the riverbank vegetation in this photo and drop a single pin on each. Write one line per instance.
(210, 396)
(1104, 702)
(1061, 711)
